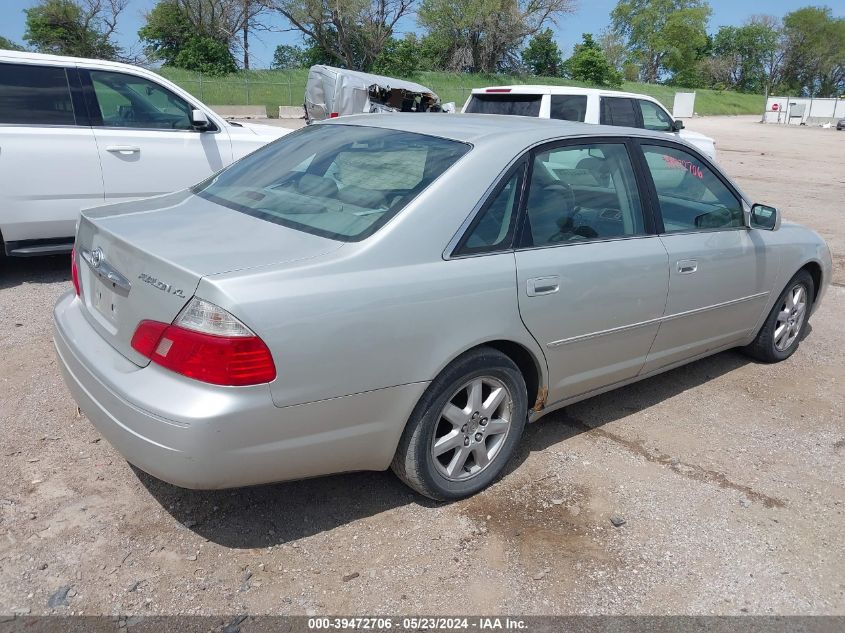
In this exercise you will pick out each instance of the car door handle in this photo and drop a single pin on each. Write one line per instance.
(542, 286)
(123, 149)
(687, 266)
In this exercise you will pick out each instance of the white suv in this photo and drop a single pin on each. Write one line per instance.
(587, 105)
(76, 133)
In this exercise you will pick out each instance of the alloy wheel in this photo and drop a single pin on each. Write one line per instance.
(472, 428)
(791, 317)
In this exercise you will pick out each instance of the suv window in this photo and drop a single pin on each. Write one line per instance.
(569, 107)
(655, 117)
(35, 95)
(338, 181)
(582, 192)
(691, 196)
(493, 228)
(130, 101)
(505, 103)
(618, 111)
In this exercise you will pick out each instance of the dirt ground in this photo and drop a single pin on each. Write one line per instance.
(728, 474)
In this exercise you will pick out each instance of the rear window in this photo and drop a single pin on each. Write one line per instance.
(338, 181)
(35, 95)
(505, 103)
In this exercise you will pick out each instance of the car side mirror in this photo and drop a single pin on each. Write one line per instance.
(764, 217)
(677, 125)
(199, 120)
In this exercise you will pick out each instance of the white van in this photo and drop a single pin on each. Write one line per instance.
(76, 133)
(587, 105)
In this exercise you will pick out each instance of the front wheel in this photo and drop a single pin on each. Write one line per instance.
(784, 328)
(465, 428)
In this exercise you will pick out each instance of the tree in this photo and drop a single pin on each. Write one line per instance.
(542, 55)
(9, 45)
(486, 35)
(398, 57)
(287, 57)
(742, 52)
(353, 32)
(663, 35)
(615, 48)
(206, 55)
(80, 28)
(171, 24)
(588, 63)
(815, 51)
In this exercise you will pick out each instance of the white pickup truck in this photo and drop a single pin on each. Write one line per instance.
(586, 105)
(77, 133)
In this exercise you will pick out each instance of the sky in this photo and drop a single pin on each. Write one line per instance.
(592, 16)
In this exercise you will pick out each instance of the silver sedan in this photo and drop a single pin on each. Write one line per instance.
(408, 291)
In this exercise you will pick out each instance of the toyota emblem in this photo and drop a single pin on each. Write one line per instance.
(96, 257)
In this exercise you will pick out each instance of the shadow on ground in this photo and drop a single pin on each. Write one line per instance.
(15, 271)
(282, 513)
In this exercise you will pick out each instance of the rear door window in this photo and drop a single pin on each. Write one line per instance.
(619, 111)
(579, 193)
(569, 107)
(337, 181)
(505, 103)
(35, 95)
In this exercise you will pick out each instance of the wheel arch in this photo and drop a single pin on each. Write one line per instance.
(527, 362)
(815, 270)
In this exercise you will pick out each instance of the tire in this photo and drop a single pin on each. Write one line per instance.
(773, 346)
(493, 431)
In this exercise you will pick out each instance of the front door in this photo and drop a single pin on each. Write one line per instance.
(720, 273)
(145, 138)
(592, 276)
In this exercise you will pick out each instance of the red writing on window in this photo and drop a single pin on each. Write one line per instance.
(688, 165)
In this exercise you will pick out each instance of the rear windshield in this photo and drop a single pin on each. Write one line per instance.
(505, 103)
(338, 181)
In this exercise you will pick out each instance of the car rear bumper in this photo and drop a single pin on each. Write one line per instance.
(196, 435)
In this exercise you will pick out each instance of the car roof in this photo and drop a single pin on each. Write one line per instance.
(488, 129)
(62, 60)
(558, 90)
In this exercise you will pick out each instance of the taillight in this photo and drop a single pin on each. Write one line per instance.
(498, 90)
(334, 115)
(206, 343)
(74, 272)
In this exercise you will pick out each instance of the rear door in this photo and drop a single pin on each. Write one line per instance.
(620, 111)
(592, 275)
(49, 165)
(145, 139)
(720, 271)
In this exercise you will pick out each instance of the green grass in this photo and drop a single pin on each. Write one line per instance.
(273, 88)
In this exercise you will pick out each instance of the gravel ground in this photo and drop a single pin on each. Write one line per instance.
(727, 474)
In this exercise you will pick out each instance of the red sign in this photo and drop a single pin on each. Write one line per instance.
(775, 107)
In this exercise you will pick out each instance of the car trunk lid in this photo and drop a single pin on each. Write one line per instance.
(144, 259)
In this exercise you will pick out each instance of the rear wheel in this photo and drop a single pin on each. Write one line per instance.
(465, 428)
(784, 328)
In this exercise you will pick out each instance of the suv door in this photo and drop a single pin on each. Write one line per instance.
(592, 276)
(145, 138)
(620, 111)
(720, 273)
(49, 166)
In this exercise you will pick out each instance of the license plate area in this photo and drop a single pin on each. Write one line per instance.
(105, 300)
